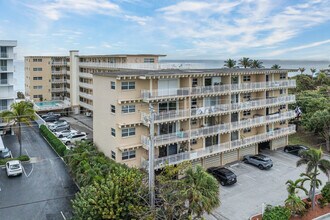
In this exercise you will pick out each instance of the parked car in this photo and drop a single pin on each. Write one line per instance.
(51, 118)
(50, 114)
(72, 138)
(5, 153)
(295, 149)
(65, 133)
(223, 175)
(59, 125)
(14, 168)
(259, 160)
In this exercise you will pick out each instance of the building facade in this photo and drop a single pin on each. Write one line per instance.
(209, 117)
(7, 92)
(70, 77)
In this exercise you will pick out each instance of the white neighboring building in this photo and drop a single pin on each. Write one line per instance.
(7, 92)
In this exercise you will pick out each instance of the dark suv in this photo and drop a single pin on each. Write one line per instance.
(295, 149)
(223, 175)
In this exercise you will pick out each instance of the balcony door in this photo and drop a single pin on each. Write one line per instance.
(168, 128)
(3, 52)
(3, 78)
(213, 140)
(168, 87)
(168, 150)
(167, 106)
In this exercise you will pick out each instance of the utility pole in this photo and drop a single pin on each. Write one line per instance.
(151, 158)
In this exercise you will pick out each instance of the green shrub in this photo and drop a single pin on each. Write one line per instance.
(55, 143)
(21, 158)
(326, 192)
(323, 202)
(276, 213)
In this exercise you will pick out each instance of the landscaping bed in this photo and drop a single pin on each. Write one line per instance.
(309, 215)
(20, 158)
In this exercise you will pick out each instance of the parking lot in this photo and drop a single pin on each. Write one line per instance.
(254, 187)
(45, 188)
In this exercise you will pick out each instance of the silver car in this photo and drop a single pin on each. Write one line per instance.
(261, 161)
(14, 168)
(65, 133)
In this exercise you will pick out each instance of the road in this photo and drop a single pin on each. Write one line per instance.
(44, 190)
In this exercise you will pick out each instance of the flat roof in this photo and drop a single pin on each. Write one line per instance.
(46, 56)
(124, 55)
(167, 72)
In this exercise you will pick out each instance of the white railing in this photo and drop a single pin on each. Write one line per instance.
(4, 81)
(219, 148)
(142, 66)
(215, 129)
(3, 107)
(218, 109)
(59, 72)
(86, 95)
(6, 69)
(86, 75)
(85, 105)
(59, 63)
(86, 85)
(58, 81)
(62, 89)
(208, 90)
(7, 55)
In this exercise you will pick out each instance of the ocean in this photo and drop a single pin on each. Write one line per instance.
(204, 64)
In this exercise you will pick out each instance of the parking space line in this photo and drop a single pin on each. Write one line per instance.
(24, 171)
(251, 178)
(31, 165)
(63, 215)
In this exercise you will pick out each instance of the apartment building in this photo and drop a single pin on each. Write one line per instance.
(7, 92)
(210, 117)
(70, 77)
(47, 77)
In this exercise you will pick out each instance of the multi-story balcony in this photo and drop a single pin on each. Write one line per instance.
(181, 136)
(58, 80)
(85, 105)
(6, 82)
(59, 72)
(59, 63)
(149, 95)
(219, 148)
(215, 110)
(86, 85)
(61, 89)
(7, 56)
(6, 69)
(86, 95)
(86, 75)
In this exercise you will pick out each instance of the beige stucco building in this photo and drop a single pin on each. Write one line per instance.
(210, 117)
(70, 78)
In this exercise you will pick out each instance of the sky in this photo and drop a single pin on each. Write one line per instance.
(204, 29)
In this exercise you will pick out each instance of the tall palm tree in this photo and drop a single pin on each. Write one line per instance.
(314, 161)
(276, 67)
(20, 112)
(310, 177)
(292, 187)
(245, 62)
(256, 64)
(230, 63)
(313, 70)
(302, 70)
(202, 193)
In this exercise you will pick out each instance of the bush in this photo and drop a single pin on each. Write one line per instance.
(276, 213)
(326, 192)
(21, 158)
(55, 143)
(323, 202)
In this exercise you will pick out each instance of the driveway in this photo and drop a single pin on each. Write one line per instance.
(254, 187)
(81, 123)
(44, 190)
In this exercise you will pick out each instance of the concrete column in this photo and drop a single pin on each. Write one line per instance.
(74, 80)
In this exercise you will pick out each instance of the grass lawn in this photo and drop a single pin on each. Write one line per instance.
(306, 138)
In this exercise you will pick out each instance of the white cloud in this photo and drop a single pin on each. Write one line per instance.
(140, 20)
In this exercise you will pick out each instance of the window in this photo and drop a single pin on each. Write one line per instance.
(194, 121)
(113, 85)
(127, 85)
(37, 69)
(247, 96)
(193, 103)
(113, 132)
(282, 106)
(246, 130)
(193, 141)
(149, 60)
(282, 122)
(282, 91)
(37, 60)
(126, 132)
(282, 76)
(37, 96)
(128, 109)
(246, 78)
(246, 113)
(113, 109)
(37, 87)
(37, 78)
(128, 155)
(113, 155)
(194, 82)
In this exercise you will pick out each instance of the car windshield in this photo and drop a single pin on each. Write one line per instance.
(15, 166)
(6, 150)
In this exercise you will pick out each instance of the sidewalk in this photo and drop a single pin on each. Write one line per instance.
(87, 121)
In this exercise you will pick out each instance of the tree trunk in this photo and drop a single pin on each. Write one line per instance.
(314, 186)
(20, 138)
(327, 143)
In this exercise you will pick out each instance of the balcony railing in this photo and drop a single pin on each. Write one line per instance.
(219, 148)
(86, 85)
(59, 63)
(3, 107)
(7, 55)
(181, 136)
(59, 72)
(58, 81)
(218, 109)
(86, 75)
(85, 105)
(148, 95)
(86, 95)
(61, 89)
(4, 81)
(6, 69)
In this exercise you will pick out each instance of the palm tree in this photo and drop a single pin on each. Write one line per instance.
(256, 64)
(245, 62)
(230, 63)
(292, 187)
(295, 204)
(314, 161)
(302, 70)
(21, 112)
(310, 177)
(203, 193)
(313, 70)
(276, 67)
(321, 78)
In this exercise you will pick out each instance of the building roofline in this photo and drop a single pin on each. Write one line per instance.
(123, 55)
(46, 56)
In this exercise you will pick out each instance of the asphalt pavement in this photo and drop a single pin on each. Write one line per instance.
(44, 190)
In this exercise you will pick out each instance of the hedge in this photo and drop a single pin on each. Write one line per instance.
(55, 143)
(21, 158)
(276, 213)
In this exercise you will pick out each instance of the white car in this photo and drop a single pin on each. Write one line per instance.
(72, 138)
(14, 168)
(65, 133)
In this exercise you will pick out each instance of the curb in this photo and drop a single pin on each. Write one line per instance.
(82, 122)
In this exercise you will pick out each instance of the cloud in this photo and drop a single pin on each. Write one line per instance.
(54, 10)
(140, 20)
